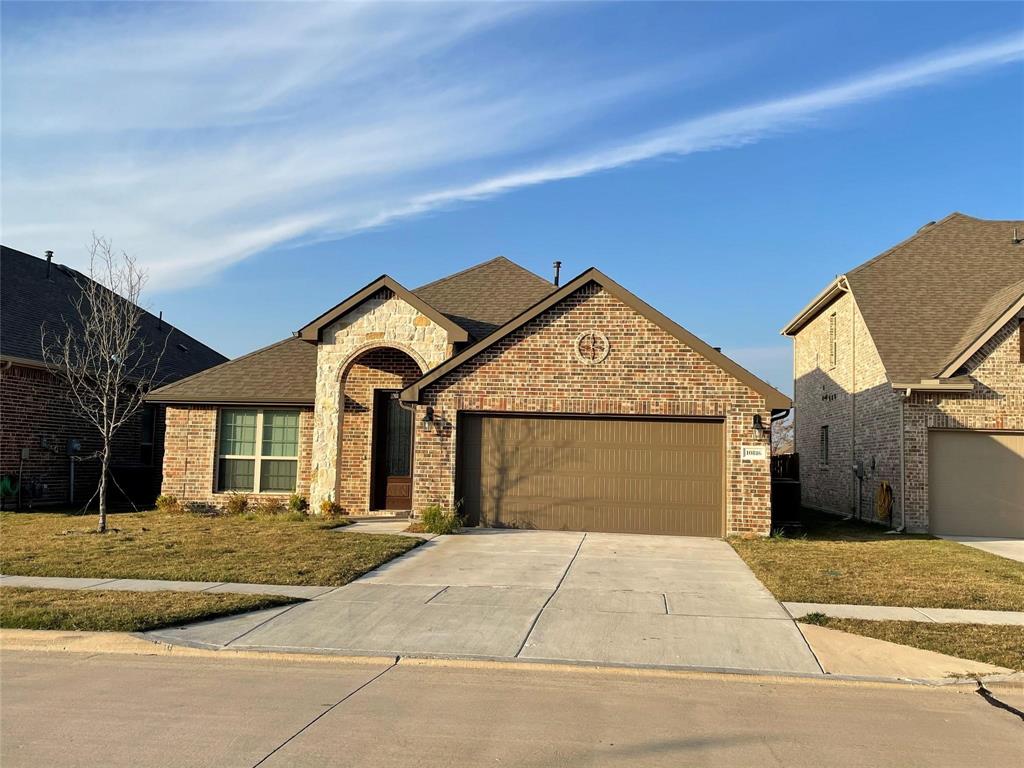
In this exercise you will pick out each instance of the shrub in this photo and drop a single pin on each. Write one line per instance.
(270, 506)
(237, 504)
(437, 519)
(329, 510)
(298, 503)
(166, 503)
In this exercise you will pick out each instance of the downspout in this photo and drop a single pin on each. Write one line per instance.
(904, 399)
(856, 478)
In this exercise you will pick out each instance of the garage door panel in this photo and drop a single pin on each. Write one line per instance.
(976, 483)
(567, 473)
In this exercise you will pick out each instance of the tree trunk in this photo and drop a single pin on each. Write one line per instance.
(102, 528)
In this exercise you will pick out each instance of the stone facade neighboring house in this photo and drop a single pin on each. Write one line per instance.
(37, 419)
(521, 402)
(909, 370)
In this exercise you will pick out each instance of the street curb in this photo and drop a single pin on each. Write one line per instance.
(53, 641)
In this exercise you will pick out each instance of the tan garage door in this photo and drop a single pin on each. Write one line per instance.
(592, 474)
(976, 483)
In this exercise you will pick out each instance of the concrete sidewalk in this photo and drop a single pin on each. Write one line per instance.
(894, 613)
(160, 585)
(1012, 549)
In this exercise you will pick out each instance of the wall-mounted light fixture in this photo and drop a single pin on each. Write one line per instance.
(759, 426)
(428, 417)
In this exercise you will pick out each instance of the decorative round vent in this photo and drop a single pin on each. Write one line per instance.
(591, 347)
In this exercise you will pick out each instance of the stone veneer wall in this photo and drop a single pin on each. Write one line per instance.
(378, 368)
(383, 320)
(647, 372)
(997, 403)
(191, 449)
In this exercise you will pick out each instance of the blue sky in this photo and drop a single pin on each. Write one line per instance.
(723, 161)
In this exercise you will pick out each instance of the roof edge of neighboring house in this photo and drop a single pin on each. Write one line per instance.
(774, 399)
(166, 400)
(817, 305)
(152, 396)
(965, 354)
(311, 331)
(953, 384)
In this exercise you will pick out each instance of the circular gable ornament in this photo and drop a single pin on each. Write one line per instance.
(591, 347)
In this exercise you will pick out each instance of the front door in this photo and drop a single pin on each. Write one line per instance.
(392, 453)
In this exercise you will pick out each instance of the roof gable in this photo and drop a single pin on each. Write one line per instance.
(312, 331)
(773, 398)
(31, 299)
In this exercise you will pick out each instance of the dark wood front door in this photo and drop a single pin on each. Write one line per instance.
(392, 453)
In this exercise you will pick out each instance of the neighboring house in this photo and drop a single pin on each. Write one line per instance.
(910, 369)
(38, 424)
(527, 404)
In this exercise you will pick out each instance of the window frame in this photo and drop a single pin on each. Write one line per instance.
(823, 445)
(147, 448)
(258, 456)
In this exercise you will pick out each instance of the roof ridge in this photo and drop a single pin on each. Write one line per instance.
(461, 272)
(230, 361)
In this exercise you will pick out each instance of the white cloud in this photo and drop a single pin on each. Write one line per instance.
(198, 135)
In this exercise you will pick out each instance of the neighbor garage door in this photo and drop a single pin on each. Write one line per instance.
(976, 483)
(592, 474)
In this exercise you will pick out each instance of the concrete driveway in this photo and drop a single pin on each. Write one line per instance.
(1012, 549)
(542, 595)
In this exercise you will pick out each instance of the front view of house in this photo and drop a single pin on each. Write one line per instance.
(521, 402)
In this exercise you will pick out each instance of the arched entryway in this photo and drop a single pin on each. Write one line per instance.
(376, 433)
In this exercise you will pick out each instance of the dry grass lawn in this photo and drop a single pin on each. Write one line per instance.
(847, 562)
(114, 611)
(997, 644)
(184, 547)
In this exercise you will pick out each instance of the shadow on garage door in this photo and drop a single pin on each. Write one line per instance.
(573, 473)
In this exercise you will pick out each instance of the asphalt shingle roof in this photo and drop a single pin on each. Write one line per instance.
(483, 298)
(927, 299)
(28, 299)
(478, 299)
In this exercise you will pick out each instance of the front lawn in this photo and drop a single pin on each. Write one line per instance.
(833, 561)
(115, 611)
(185, 547)
(997, 644)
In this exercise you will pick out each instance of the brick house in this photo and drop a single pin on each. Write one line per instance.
(39, 428)
(526, 403)
(909, 370)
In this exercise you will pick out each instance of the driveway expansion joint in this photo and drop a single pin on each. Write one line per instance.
(565, 573)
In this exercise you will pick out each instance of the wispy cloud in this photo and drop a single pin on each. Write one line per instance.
(198, 135)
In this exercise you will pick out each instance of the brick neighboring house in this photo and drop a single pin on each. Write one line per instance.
(909, 369)
(573, 407)
(36, 414)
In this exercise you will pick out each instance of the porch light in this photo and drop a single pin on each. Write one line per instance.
(428, 416)
(759, 425)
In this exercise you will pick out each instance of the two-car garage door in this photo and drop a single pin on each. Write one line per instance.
(976, 483)
(625, 475)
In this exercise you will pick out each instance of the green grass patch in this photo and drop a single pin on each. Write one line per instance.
(836, 561)
(997, 644)
(115, 611)
(185, 547)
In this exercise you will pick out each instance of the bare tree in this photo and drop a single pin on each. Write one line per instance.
(101, 352)
(783, 434)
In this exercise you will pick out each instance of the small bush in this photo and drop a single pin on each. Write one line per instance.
(330, 510)
(236, 504)
(437, 519)
(166, 503)
(298, 503)
(269, 506)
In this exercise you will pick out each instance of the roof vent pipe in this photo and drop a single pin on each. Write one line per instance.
(160, 321)
(49, 262)
(558, 270)
(1016, 237)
